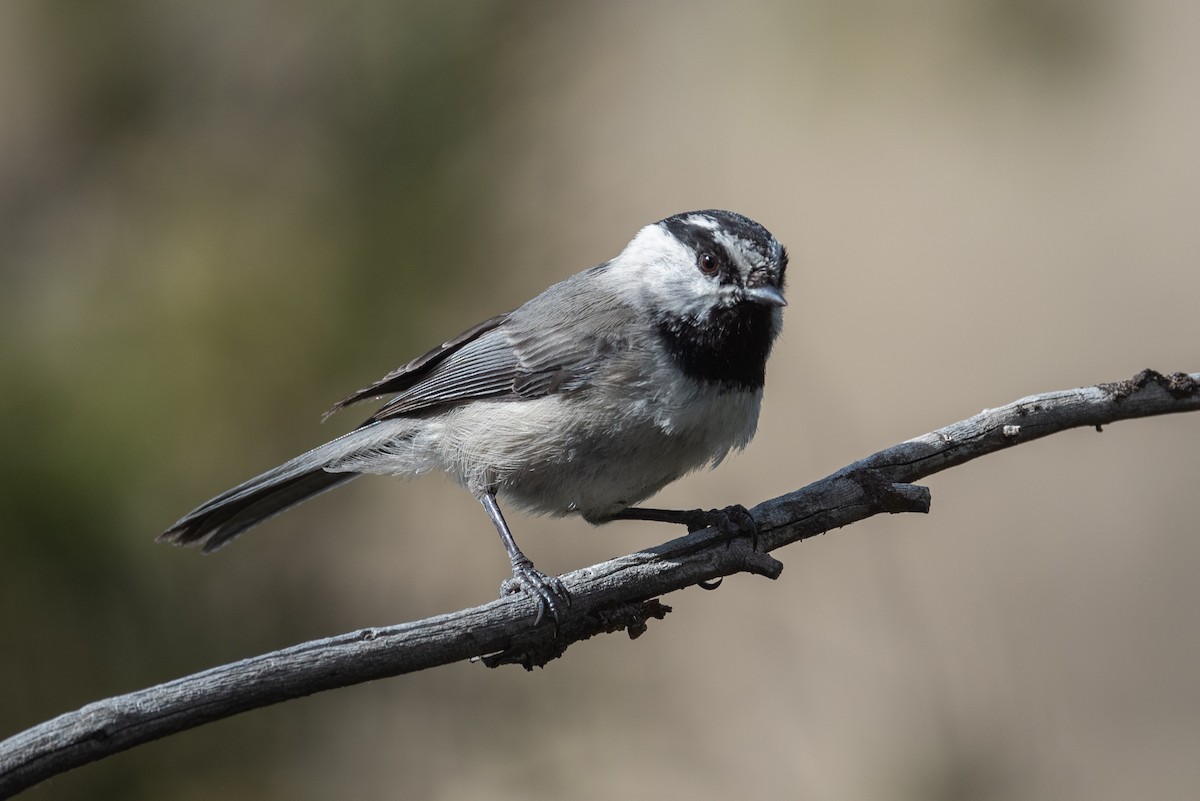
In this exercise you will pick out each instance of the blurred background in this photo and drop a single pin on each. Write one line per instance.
(218, 218)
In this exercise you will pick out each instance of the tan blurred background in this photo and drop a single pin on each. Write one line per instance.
(218, 218)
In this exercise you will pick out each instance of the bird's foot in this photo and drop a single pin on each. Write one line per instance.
(548, 592)
(734, 521)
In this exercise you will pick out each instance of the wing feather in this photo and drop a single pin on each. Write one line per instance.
(410, 374)
(492, 366)
(482, 368)
(508, 356)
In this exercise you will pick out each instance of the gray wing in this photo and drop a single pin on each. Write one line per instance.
(501, 364)
(407, 376)
(539, 349)
(493, 360)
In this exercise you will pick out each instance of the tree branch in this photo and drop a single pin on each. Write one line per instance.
(612, 596)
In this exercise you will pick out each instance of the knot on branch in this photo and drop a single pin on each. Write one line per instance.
(739, 554)
(1177, 385)
(538, 646)
(893, 498)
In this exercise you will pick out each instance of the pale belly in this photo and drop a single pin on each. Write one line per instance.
(551, 457)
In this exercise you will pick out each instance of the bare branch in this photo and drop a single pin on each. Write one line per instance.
(612, 596)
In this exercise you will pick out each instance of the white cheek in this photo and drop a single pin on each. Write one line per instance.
(682, 293)
(656, 273)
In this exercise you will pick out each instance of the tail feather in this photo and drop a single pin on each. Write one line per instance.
(216, 522)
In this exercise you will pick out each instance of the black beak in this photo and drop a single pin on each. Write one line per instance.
(766, 294)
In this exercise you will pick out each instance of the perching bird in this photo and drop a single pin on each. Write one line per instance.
(587, 399)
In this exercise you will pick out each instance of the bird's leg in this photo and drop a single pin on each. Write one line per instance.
(733, 520)
(549, 593)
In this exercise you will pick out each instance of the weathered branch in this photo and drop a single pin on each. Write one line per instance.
(615, 595)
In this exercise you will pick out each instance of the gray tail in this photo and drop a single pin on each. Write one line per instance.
(216, 522)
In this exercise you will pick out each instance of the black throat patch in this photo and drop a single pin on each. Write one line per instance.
(730, 348)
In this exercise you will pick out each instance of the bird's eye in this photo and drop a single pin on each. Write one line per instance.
(708, 263)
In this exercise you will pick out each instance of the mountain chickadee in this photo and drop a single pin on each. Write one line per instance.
(589, 398)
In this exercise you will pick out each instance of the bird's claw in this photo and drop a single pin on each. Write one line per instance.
(733, 521)
(548, 592)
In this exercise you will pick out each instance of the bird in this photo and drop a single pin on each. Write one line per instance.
(586, 400)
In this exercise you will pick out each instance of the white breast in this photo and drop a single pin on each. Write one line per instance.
(562, 454)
